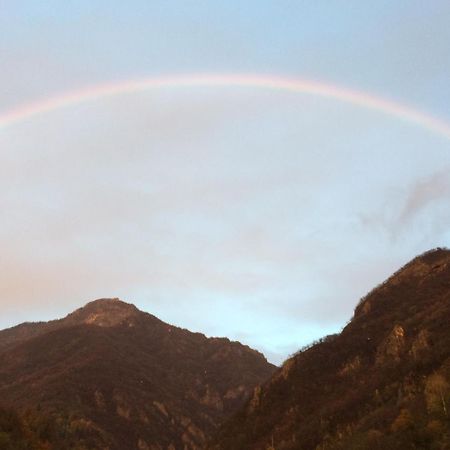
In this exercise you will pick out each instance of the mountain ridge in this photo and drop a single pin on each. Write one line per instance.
(131, 379)
(86, 314)
(112, 377)
(383, 382)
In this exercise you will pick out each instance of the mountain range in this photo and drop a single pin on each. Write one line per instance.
(111, 377)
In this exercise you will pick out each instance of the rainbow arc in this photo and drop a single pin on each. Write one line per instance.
(293, 85)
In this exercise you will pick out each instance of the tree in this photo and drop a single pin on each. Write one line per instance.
(437, 393)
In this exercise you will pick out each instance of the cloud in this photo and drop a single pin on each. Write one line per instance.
(424, 193)
(418, 207)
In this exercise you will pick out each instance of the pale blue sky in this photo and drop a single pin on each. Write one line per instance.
(257, 215)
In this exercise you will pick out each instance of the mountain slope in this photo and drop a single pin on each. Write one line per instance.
(123, 379)
(382, 383)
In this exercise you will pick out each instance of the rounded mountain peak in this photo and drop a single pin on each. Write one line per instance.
(104, 312)
(420, 271)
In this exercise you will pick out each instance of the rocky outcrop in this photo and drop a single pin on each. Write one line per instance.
(392, 346)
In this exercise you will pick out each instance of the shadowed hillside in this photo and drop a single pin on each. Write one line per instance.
(382, 383)
(119, 378)
(109, 376)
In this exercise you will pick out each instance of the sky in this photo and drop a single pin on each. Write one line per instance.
(258, 214)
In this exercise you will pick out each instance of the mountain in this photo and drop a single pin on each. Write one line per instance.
(109, 376)
(382, 383)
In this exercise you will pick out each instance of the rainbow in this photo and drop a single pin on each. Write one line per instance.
(293, 85)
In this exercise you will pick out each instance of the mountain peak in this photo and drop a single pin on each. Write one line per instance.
(124, 379)
(422, 269)
(426, 262)
(104, 312)
(371, 386)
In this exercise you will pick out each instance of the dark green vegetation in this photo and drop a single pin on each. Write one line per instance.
(383, 383)
(109, 376)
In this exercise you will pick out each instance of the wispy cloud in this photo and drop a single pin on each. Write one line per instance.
(424, 193)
